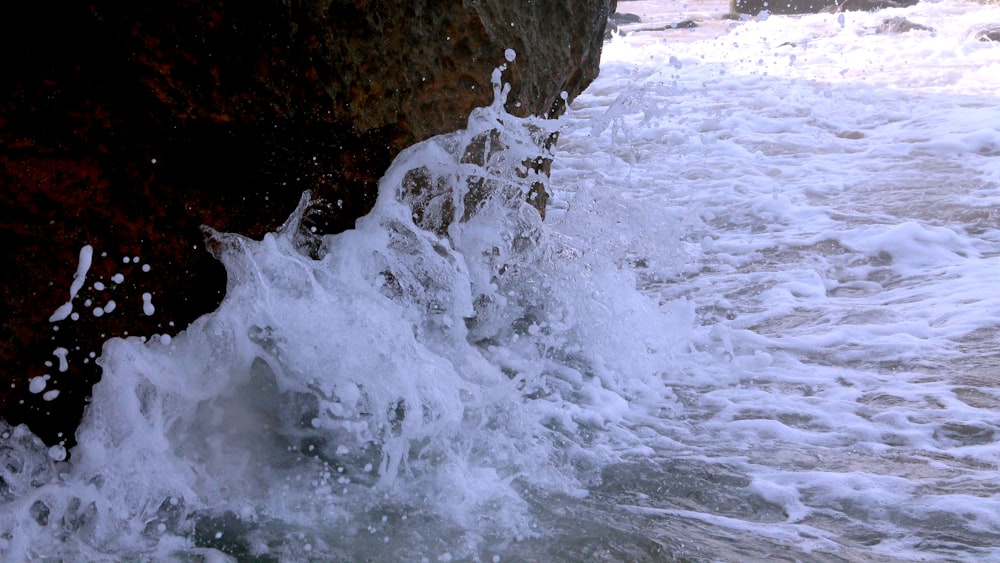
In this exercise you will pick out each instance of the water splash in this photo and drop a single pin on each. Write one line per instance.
(397, 388)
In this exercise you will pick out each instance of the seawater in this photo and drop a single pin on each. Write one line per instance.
(759, 323)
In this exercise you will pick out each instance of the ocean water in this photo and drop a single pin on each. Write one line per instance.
(760, 322)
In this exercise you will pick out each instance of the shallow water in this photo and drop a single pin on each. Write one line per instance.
(759, 323)
(839, 232)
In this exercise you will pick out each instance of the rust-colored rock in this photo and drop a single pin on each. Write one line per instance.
(126, 126)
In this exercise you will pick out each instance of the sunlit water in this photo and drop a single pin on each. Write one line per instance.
(759, 323)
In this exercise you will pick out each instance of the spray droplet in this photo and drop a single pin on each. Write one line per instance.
(86, 256)
(37, 384)
(147, 304)
(61, 353)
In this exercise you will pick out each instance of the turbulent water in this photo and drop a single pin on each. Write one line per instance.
(760, 323)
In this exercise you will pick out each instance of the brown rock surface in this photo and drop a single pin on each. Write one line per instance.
(127, 126)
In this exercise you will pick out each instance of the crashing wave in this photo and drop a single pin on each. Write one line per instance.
(414, 377)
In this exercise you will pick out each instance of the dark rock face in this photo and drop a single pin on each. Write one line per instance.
(125, 127)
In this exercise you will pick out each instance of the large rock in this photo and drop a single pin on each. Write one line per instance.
(126, 126)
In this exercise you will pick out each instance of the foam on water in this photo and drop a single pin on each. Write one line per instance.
(760, 323)
(831, 192)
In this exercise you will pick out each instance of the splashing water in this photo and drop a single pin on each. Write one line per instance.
(759, 323)
(404, 393)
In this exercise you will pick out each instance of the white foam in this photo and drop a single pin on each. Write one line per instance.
(836, 248)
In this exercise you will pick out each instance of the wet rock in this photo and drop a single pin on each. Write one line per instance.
(900, 25)
(988, 32)
(125, 127)
(619, 18)
(754, 7)
(867, 5)
(683, 24)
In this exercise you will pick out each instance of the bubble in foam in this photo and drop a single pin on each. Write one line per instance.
(510, 55)
(57, 452)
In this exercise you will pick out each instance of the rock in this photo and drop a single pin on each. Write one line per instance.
(900, 25)
(867, 5)
(128, 126)
(618, 20)
(988, 32)
(754, 7)
(682, 24)
(624, 19)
